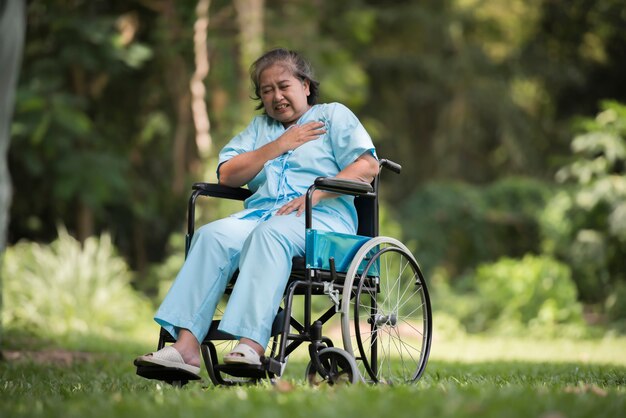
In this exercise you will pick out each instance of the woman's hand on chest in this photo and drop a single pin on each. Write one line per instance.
(298, 135)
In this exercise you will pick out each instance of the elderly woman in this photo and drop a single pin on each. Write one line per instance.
(279, 155)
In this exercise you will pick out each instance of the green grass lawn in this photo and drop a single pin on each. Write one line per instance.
(472, 376)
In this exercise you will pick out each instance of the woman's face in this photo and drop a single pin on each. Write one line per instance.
(284, 96)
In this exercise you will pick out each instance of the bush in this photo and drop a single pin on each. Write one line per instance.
(535, 292)
(65, 288)
(615, 306)
(458, 226)
(585, 225)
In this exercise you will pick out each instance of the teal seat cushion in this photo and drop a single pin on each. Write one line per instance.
(322, 245)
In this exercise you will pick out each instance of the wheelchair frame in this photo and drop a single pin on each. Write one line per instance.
(328, 364)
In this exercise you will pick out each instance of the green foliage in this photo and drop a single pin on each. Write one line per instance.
(535, 292)
(615, 307)
(586, 225)
(476, 90)
(457, 225)
(93, 127)
(443, 80)
(73, 60)
(65, 288)
(599, 167)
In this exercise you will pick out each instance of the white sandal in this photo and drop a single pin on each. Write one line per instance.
(243, 354)
(167, 357)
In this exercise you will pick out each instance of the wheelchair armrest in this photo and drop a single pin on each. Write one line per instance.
(343, 186)
(221, 191)
(334, 185)
(211, 190)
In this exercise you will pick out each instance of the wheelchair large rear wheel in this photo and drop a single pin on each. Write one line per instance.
(386, 314)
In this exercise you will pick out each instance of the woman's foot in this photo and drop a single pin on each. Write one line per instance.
(191, 357)
(188, 347)
(167, 358)
(246, 352)
(260, 350)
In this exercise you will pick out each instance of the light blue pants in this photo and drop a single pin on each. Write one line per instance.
(262, 250)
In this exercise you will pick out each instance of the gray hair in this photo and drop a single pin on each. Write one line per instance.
(292, 61)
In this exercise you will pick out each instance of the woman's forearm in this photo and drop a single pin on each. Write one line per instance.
(364, 169)
(242, 168)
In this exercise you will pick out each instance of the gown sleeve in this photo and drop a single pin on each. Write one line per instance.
(244, 142)
(349, 139)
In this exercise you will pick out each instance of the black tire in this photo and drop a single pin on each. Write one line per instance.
(340, 365)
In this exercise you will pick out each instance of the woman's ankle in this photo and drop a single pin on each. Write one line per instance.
(255, 346)
(188, 347)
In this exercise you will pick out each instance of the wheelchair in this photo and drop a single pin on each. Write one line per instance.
(372, 282)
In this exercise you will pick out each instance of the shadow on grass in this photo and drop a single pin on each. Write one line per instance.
(539, 374)
(22, 345)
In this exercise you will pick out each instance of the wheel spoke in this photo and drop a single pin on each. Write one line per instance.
(416, 292)
(404, 293)
(406, 344)
(421, 333)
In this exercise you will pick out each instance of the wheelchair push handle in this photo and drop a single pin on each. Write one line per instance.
(391, 165)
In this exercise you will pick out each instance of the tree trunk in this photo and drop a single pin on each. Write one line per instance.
(196, 85)
(84, 222)
(12, 31)
(250, 22)
(176, 73)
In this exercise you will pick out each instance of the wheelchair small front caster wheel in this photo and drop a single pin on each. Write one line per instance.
(178, 383)
(340, 368)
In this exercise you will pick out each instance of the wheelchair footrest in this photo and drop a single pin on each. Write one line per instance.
(166, 374)
(268, 368)
(244, 370)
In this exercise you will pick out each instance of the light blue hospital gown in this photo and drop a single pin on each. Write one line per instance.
(255, 241)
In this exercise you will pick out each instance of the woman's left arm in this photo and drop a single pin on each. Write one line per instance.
(364, 169)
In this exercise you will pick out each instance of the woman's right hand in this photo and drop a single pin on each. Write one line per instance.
(297, 135)
(242, 168)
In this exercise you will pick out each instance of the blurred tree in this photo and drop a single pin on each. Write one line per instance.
(251, 29)
(196, 85)
(477, 89)
(12, 25)
(62, 152)
(441, 88)
(93, 128)
(578, 51)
